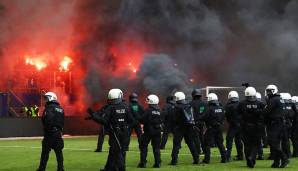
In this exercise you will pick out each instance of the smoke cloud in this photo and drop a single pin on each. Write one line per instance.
(134, 45)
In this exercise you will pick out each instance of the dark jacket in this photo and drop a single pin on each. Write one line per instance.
(184, 115)
(152, 120)
(53, 117)
(275, 109)
(214, 116)
(115, 114)
(232, 114)
(251, 112)
(168, 114)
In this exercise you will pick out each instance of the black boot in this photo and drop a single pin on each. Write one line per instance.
(284, 163)
(196, 161)
(156, 165)
(275, 164)
(141, 165)
(205, 161)
(250, 162)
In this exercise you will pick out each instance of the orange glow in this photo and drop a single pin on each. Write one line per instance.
(129, 57)
(39, 63)
(64, 64)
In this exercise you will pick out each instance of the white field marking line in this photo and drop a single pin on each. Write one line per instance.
(91, 150)
(38, 138)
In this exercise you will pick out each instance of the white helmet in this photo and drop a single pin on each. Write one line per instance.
(115, 94)
(233, 95)
(286, 97)
(250, 92)
(258, 96)
(50, 96)
(295, 99)
(212, 97)
(152, 100)
(272, 88)
(179, 96)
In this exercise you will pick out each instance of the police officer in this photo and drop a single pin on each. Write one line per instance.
(184, 123)
(167, 115)
(117, 118)
(234, 119)
(137, 111)
(295, 127)
(214, 119)
(289, 118)
(53, 123)
(199, 107)
(251, 111)
(275, 117)
(152, 131)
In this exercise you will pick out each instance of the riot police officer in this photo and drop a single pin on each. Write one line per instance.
(289, 118)
(167, 115)
(137, 111)
(117, 118)
(199, 107)
(275, 118)
(184, 127)
(53, 123)
(251, 111)
(152, 131)
(214, 120)
(234, 119)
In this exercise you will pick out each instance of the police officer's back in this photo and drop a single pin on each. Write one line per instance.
(53, 123)
(117, 118)
(214, 119)
(184, 128)
(152, 131)
(251, 111)
(234, 132)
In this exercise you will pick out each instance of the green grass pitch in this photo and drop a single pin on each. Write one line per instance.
(23, 155)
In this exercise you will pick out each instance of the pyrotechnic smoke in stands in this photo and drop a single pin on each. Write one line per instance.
(151, 46)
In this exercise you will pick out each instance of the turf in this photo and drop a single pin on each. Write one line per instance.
(23, 155)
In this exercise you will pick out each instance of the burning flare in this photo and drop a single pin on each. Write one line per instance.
(37, 62)
(64, 64)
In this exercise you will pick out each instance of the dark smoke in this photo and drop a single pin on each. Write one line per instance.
(215, 42)
(161, 76)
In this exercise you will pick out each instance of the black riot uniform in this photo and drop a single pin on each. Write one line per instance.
(295, 130)
(53, 123)
(289, 119)
(184, 127)
(251, 111)
(275, 119)
(214, 119)
(199, 107)
(137, 111)
(117, 118)
(167, 115)
(234, 131)
(152, 132)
